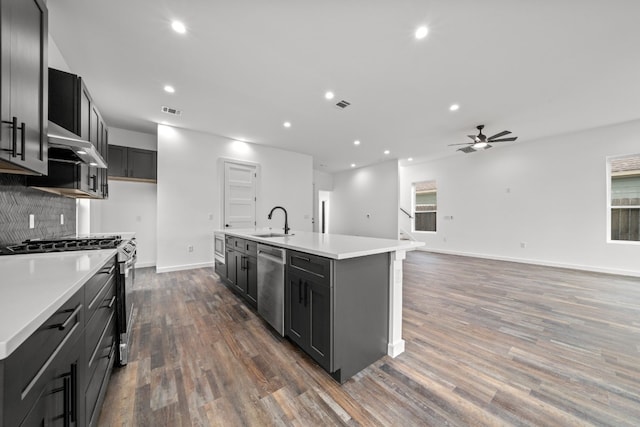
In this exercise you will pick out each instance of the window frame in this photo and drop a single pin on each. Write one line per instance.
(414, 205)
(610, 207)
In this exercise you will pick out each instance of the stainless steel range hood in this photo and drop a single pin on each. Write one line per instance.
(65, 146)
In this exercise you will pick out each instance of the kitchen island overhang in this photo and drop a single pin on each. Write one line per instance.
(344, 247)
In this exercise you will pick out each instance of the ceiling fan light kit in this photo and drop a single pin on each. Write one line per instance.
(480, 141)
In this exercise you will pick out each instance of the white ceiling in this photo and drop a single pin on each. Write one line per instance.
(244, 67)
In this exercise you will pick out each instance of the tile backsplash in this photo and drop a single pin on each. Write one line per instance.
(17, 201)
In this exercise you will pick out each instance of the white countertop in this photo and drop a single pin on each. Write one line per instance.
(335, 246)
(33, 287)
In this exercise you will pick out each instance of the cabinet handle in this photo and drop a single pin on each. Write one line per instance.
(63, 326)
(46, 364)
(301, 257)
(74, 392)
(299, 291)
(306, 293)
(94, 186)
(113, 300)
(14, 136)
(23, 140)
(65, 402)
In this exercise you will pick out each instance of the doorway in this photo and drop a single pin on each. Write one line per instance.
(324, 208)
(240, 195)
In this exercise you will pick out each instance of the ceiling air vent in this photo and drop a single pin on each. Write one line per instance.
(172, 111)
(343, 104)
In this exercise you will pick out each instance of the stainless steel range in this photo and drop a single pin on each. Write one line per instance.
(127, 256)
(126, 259)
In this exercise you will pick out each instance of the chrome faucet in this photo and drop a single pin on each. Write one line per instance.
(286, 221)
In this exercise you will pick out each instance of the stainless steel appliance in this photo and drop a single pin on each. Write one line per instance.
(218, 253)
(271, 264)
(127, 256)
(35, 246)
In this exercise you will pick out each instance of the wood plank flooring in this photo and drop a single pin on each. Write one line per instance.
(489, 343)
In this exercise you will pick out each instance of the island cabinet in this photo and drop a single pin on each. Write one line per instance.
(242, 267)
(23, 86)
(58, 376)
(337, 310)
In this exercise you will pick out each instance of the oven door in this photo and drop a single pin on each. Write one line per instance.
(125, 307)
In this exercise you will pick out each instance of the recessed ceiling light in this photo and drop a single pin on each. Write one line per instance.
(454, 107)
(169, 89)
(329, 95)
(353, 165)
(356, 142)
(81, 152)
(178, 27)
(386, 151)
(287, 124)
(410, 159)
(421, 32)
(93, 164)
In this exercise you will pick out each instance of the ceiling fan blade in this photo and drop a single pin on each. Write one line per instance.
(468, 149)
(513, 138)
(498, 135)
(474, 137)
(488, 146)
(464, 143)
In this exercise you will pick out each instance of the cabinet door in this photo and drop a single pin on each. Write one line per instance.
(24, 87)
(252, 279)
(296, 312)
(117, 160)
(85, 111)
(241, 273)
(142, 163)
(318, 301)
(230, 261)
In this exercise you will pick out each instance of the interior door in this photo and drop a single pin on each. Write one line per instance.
(239, 195)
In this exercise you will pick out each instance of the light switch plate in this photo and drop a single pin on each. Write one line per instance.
(32, 221)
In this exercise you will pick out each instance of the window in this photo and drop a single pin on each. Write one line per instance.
(625, 198)
(425, 206)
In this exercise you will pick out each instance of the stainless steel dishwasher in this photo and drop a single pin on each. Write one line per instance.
(271, 263)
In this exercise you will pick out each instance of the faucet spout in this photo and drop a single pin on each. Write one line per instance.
(286, 220)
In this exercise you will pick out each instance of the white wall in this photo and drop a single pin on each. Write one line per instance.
(372, 191)
(189, 190)
(550, 194)
(131, 206)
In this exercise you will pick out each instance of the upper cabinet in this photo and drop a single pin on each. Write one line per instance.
(132, 164)
(23, 88)
(72, 108)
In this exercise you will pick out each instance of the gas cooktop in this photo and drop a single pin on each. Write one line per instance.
(35, 246)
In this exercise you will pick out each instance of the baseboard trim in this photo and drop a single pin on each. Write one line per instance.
(183, 267)
(591, 268)
(395, 349)
(145, 264)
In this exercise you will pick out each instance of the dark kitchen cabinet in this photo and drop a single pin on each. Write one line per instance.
(336, 310)
(72, 108)
(59, 375)
(132, 164)
(23, 87)
(308, 295)
(242, 267)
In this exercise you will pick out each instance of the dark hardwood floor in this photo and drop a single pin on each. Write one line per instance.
(488, 343)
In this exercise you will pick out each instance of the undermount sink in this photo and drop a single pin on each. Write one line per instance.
(268, 235)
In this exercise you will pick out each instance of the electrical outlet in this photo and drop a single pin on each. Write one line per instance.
(138, 218)
(523, 245)
(61, 219)
(32, 221)
(444, 239)
(190, 248)
(210, 217)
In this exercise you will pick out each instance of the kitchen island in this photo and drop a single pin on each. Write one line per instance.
(362, 293)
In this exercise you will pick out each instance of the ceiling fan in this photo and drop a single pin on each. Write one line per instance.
(481, 141)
